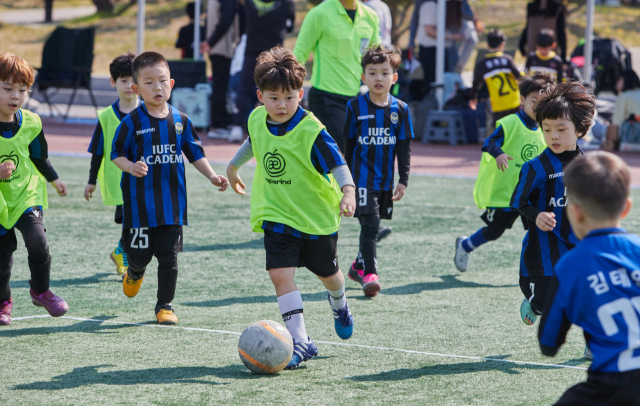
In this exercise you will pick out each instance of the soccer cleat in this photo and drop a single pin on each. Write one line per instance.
(343, 320)
(461, 259)
(355, 275)
(384, 232)
(236, 134)
(53, 304)
(120, 261)
(527, 314)
(371, 285)
(5, 312)
(165, 314)
(302, 352)
(587, 353)
(131, 286)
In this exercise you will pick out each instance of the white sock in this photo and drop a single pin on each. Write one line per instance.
(337, 298)
(291, 309)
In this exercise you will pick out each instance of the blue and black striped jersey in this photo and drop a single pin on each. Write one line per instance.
(160, 197)
(375, 136)
(541, 188)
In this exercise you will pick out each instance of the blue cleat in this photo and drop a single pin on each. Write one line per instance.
(301, 353)
(527, 314)
(343, 321)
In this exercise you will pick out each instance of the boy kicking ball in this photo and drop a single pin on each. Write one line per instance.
(148, 149)
(295, 199)
(378, 129)
(597, 285)
(564, 113)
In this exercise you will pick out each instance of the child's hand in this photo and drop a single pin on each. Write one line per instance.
(348, 202)
(235, 181)
(503, 161)
(60, 186)
(88, 191)
(220, 181)
(546, 221)
(400, 189)
(473, 104)
(139, 169)
(6, 169)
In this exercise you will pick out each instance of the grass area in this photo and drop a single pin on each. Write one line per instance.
(24, 4)
(425, 305)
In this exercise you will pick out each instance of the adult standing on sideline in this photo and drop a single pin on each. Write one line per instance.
(386, 22)
(337, 32)
(223, 34)
(627, 104)
(544, 14)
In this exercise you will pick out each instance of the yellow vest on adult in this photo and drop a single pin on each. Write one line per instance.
(286, 187)
(109, 175)
(493, 187)
(26, 187)
(337, 44)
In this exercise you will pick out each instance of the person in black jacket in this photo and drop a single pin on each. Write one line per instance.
(185, 36)
(544, 14)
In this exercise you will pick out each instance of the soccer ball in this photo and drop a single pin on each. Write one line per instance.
(265, 347)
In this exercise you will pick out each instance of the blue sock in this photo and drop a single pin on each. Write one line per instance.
(119, 249)
(474, 241)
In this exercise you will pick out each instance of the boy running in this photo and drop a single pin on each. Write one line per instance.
(24, 166)
(378, 128)
(102, 168)
(597, 285)
(295, 198)
(518, 138)
(564, 113)
(148, 148)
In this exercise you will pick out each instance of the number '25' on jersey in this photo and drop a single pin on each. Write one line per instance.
(375, 136)
(160, 197)
(597, 287)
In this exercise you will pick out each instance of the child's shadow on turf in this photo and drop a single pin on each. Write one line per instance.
(61, 283)
(451, 369)
(306, 297)
(87, 326)
(448, 282)
(90, 375)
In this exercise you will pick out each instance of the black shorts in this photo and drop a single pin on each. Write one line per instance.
(499, 219)
(370, 201)
(604, 389)
(320, 255)
(535, 289)
(141, 244)
(119, 215)
(8, 241)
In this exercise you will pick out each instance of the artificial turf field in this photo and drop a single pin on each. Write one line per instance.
(454, 328)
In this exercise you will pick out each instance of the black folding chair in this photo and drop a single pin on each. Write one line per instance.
(67, 58)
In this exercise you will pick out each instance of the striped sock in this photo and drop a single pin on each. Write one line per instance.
(291, 310)
(473, 242)
(337, 298)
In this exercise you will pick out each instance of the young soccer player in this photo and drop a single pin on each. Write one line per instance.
(148, 148)
(24, 166)
(518, 139)
(544, 59)
(597, 285)
(565, 113)
(295, 198)
(102, 168)
(498, 73)
(377, 129)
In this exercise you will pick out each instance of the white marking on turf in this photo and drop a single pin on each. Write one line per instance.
(433, 354)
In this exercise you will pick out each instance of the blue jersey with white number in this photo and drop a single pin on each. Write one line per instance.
(598, 289)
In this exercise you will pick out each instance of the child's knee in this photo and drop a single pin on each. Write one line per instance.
(167, 258)
(36, 243)
(492, 233)
(370, 225)
(6, 263)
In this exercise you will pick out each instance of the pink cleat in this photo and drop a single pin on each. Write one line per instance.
(355, 274)
(5, 312)
(54, 304)
(371, 285)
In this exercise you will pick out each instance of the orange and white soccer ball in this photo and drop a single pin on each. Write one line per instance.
(265, 347)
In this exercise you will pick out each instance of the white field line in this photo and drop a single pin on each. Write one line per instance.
(433, 354)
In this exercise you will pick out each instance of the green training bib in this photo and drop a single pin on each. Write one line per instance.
(493, 187)
(287, 188)
(109, 175)
(26, 187)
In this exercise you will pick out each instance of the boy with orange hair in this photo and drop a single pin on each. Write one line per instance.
(24, 166)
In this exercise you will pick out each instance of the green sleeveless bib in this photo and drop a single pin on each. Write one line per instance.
(26, 187)
(493, 187)
(287, 188)
(109, 175)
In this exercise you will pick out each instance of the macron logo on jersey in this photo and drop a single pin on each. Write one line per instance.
(366, 117)
(146, 130)
(556, 175)
(163, 154)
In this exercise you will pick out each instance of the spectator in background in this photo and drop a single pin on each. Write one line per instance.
(185, 36)
(544, 59)
(544, 14)
(627, 104)
(224, 30)
(386, 22)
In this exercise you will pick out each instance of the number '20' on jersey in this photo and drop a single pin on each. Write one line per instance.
(375, 136)
(160, 197)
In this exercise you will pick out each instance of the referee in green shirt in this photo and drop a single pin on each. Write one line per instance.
(337, 32)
